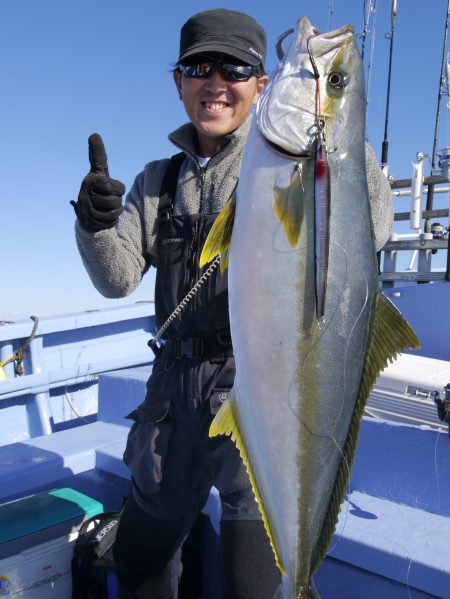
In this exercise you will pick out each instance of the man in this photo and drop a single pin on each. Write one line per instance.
(168, 213)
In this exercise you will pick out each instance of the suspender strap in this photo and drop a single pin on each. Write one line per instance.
(169, 185)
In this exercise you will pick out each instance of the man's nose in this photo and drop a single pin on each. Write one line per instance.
(215, 82)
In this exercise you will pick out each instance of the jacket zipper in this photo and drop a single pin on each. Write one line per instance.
(194, 242)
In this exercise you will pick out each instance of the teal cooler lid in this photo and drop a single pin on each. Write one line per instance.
(43, 516)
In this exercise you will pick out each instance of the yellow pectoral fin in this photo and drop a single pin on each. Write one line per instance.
(226, 422)
(2, 374)
(288, 206)
(219, 237)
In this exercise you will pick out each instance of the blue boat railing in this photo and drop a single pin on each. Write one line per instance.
(62, 363)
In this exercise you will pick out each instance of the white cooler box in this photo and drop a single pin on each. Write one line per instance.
(36, 542)
(405, 391)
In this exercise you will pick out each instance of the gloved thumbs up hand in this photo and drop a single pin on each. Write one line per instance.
(97, 155)
(100, 199)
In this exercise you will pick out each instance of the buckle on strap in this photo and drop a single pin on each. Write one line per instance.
(215, 349)
(188, 348)
(224, 338)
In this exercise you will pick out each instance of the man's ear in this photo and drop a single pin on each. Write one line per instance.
(177, 79)
(261, 82)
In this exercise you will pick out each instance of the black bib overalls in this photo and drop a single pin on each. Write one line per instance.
(173, 461)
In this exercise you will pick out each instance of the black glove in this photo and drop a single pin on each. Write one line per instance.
(100, 199)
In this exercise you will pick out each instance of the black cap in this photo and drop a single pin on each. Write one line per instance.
(222, 31)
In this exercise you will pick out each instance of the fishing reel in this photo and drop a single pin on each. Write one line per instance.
(443, 405)
(438, 231)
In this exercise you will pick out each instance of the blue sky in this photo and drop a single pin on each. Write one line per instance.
(71, 68)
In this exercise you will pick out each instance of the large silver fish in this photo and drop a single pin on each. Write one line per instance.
(310, 327)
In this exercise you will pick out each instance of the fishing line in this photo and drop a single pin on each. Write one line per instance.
(322, 327)
(357, 319)
(320, 118)
(337, 419)
(407, 555)
(348, 469)
(339, 536)
(436, 472)
(440, 432)
(72, 407)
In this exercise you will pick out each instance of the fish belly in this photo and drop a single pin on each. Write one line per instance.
(266, 314)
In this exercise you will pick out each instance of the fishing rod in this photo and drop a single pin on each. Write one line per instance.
(330, 14)
(441, 86)
(430, 191)
(373, 10)
(367, 13)
(385, 144)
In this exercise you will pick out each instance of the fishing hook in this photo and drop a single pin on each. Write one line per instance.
(279, 43)
(320, 119)
(313, 62)
(283, 36)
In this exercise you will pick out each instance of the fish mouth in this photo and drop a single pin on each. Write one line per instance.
(279, 150)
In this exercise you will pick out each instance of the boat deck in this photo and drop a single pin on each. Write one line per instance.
(394, 526)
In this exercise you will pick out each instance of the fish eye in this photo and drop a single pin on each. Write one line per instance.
(337, 79)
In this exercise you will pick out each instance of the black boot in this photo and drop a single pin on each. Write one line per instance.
(247, 564)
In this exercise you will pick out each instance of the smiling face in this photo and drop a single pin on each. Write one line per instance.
(217, 107)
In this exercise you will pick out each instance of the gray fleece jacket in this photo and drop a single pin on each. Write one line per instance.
(116, 259)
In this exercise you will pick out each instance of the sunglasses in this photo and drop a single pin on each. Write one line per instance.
(230, 72)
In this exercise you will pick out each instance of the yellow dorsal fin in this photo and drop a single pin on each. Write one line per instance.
(389, 334)
(226, 422)
(288, 206)
(219, 238)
